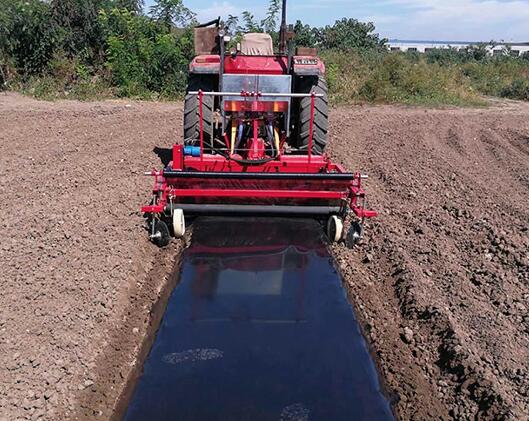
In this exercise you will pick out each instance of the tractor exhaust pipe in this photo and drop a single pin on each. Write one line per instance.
(283, 30)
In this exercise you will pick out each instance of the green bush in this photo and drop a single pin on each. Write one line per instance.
(143, 57)
(492, 76)
(518, 89)
(348, 34)
(74, 47)
(68, 78)
(371, 76)
(100, 48)
(345, 35)
(30, 35)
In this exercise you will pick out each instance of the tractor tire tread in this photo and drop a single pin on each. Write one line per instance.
(192, 112)
(321, 117)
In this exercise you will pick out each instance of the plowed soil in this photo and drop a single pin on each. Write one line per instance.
(439, 283)
(79, 276)
(441, 280)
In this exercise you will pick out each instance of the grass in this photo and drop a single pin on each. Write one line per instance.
(50, 88)
(502, 77)
(397, 78)
(353, 77)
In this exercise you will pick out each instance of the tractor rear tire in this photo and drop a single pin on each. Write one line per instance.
(192, 112)
(321, 115)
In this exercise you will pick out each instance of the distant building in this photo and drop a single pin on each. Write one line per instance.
(516, 48)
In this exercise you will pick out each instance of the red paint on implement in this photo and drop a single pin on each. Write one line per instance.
(287, 178)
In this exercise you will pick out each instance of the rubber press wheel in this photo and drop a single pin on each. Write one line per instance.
(160, 235)
(334, 229)
(179, 223)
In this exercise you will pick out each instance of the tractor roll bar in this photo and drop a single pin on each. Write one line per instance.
(256, 94)
(283, 29)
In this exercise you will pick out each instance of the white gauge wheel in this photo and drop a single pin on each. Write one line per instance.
(334, 228)
(179, 223)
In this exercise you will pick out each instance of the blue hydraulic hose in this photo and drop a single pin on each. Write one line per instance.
(239, 135)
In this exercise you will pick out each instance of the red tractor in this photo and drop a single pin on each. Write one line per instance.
(255, 132)
(253, 67)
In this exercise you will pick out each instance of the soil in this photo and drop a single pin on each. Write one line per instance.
(441, 279)
(79, 277)
(439, 282)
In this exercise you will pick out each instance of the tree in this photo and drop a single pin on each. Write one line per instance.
(144, 55)
(269, 23)
(477, 52)
(135, 6)
(306, 36)
(6, 21)
(172, 13)
(31, 36)
(348, 34)
(250, 24)
(78, 20)
(231, 25)
(5, 41)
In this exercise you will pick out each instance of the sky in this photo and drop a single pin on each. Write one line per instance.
(427, 20)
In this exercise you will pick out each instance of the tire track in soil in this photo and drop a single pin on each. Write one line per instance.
(441, 280)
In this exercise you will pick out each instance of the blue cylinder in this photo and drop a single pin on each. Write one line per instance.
(192, 151)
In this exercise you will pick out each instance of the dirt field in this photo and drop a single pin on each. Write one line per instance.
(440, 281)
(78, 274)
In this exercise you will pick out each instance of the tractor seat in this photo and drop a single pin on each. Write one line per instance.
(257, 44)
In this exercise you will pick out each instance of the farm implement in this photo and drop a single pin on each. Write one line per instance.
(255, 132)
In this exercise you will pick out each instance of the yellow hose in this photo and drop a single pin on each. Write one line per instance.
(276, 139)
(233, 134)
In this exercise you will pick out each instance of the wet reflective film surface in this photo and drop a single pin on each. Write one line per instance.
(259, 328)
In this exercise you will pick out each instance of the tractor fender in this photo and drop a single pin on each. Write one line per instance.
(302, 65)
(205, 65)
(308, 66)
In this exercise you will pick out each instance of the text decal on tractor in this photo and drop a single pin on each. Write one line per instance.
(255, 132)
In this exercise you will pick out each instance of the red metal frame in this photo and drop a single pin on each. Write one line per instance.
(177, 190)
(201, 124)
(346, 191)
(262, 65)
